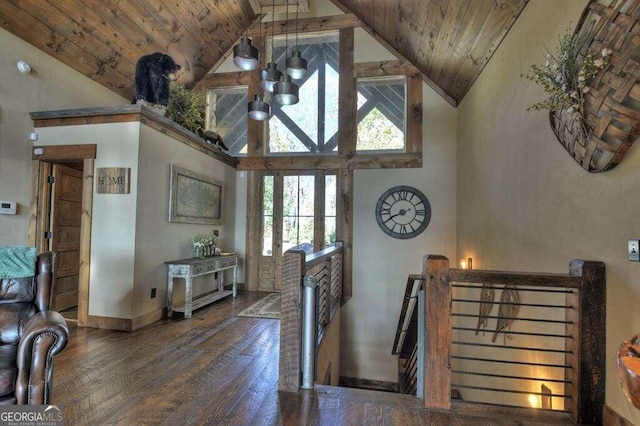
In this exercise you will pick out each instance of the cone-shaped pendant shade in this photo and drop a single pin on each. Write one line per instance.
(296, 65)
(270, 76)
(285, 92)
(245, 56)
(259, 109)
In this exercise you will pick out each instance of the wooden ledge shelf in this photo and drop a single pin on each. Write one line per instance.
(128, 113)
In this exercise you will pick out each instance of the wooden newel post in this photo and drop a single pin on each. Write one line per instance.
(293, 265)
(437, 332)
(589, 344)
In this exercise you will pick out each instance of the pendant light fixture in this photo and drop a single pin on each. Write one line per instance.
(271, 75)
(296, 64)
(258, 109)
(285, 92)
(245, 55)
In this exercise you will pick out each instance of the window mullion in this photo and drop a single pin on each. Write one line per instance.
(321, 102)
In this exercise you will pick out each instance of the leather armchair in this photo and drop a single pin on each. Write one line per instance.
(30, 335)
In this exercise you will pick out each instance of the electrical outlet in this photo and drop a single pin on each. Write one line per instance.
(153, 293)
(634, 253)
(216, 232)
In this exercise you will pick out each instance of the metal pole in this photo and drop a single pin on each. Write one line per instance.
(420, 361)
(309, 328)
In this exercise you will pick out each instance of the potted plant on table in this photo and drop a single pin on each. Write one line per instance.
(204, 245)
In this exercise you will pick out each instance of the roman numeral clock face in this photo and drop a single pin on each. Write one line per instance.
(403, 212)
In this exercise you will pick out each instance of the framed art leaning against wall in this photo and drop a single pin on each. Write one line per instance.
(194, 198)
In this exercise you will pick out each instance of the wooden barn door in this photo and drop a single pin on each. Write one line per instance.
(66, 212)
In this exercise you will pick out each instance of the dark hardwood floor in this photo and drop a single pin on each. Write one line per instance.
(215, 369)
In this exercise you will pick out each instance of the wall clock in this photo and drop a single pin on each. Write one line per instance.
(403, 212)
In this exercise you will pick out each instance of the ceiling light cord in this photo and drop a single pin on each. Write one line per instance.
(286, 37)
(273, 25)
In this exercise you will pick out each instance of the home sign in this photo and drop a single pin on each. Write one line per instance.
(113, 180)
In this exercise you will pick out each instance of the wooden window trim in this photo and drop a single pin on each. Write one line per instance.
(257, 162)
(413, 100)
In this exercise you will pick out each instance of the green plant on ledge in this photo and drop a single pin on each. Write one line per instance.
(186, 108)
(565, 75)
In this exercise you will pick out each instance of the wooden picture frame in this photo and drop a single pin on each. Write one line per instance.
(194, 198)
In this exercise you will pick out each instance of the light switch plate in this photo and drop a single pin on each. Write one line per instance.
(8, 207)
(634, 250)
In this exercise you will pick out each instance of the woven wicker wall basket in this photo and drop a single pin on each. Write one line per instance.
(612, 105)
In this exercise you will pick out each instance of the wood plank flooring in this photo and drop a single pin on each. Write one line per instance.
(214, 369)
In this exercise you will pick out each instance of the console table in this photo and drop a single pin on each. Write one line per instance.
(195, 267)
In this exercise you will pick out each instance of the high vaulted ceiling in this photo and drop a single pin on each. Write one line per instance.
(449, 41)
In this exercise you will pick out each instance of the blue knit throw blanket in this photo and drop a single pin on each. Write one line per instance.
(17, 262)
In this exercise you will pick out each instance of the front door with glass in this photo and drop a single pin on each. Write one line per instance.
(298, 212)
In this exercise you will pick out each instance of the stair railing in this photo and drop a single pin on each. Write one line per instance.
(448, 365)
(325, 269)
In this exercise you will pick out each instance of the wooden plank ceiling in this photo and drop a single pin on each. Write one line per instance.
(449, 41)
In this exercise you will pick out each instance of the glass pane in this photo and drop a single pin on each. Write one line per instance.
(224, 106)
(314, 119)
(307, 190)
(329, 231)
(281, 139)
(267, 235)
(289, 233)
(361, 100)
(290, 196)
(330, 195)
(305, 113)
(331, 102)
(305, 234)
(267, 198)
(381, 114)
(267, 213)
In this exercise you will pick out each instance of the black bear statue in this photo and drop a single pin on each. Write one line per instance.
(214, 139)
(154, 73)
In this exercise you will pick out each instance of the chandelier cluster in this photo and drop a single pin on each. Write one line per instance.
(276, 83)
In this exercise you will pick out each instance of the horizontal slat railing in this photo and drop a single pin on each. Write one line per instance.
(326, 267)
(508, 338)
(405, 344)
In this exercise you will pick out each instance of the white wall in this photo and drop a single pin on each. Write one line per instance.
(158, 240)
(381, 263)
(524, 204)
(113, 228)
(51, 85)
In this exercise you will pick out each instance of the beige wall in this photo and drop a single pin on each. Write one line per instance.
(113, 225)
(131, 237)
(158, 240)
(381, 264)
(51, 85)
(524, 204)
